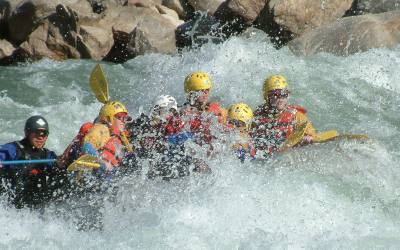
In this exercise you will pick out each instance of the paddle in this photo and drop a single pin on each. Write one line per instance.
(99, 85)
(296, 137)
(85, 162)
(321, 137)
(20, 162)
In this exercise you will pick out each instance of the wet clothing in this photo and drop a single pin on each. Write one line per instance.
(74, 149)
(200, 121)
(163, 144)
(101, 141)
(243, 146)
(269, 130)
(31, 184)
(147, 136)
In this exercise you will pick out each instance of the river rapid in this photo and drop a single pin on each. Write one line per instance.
(337, 195)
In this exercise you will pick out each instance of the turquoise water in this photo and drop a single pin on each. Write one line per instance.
(339, 195)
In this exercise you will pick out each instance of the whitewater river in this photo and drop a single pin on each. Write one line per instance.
(339, 195)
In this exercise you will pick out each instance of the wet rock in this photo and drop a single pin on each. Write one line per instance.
(94, 42)
(5, 10)
(351, 35)
(139, 38)
(30, 14)
(203, 28)
(299, 16)
(45, 42)
(377, 6)
(209, 6)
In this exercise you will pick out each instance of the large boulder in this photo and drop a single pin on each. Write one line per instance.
(179, 6)
(203, 28)
(134, 35)
(351, 35)
(29, 14)
(169, 14)
(55, 38)
(246, 11)
(377, 6)
(299, 16)
(94, 42)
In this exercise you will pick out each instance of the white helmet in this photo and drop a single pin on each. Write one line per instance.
(162, 106)
(165, 101)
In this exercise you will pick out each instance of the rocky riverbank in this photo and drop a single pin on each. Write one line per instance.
(118, 30)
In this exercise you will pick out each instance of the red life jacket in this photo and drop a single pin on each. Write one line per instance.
(73, 151)
(200, 124)
(274, 129)
(174, 125)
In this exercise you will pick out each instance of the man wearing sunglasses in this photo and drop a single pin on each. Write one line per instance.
(198, 112)
(106, 139)
(276, 120)
(30, 184)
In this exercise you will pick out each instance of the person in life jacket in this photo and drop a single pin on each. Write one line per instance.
(198, 111)
(276, 120)
(31, 185)
(74, 149)
(106, 139)
(240, 116)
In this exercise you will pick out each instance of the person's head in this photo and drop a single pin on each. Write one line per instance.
(197, 87)
(36, 131)
(276, 92)
(115, 114)
(240, 115)
(163, 106)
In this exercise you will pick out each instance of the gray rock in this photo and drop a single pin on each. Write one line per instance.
(299, 16)
(30, 14)
(351, 35)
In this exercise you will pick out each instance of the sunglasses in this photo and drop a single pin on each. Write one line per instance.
(279, 94)
(41, 133)
(237, 123)
(124, 117)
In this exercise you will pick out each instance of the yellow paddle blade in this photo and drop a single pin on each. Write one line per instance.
(325, 136)
(354, 136)
(296, 137)
(99, 84)
(85, 162)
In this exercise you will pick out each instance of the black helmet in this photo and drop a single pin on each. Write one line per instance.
(36, 122)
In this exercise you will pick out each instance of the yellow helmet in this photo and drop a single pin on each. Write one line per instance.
(274, 82)
(196, 81)
(110, 109)
(241, 112)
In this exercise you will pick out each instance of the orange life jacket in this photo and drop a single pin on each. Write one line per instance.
(112, 151)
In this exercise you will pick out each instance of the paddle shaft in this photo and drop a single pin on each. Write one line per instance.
(20, 162)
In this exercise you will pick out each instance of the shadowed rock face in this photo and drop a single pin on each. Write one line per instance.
(351, 35)
(378, 6)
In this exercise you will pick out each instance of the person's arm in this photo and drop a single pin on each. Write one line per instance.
(310, 132)
(8, 152)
